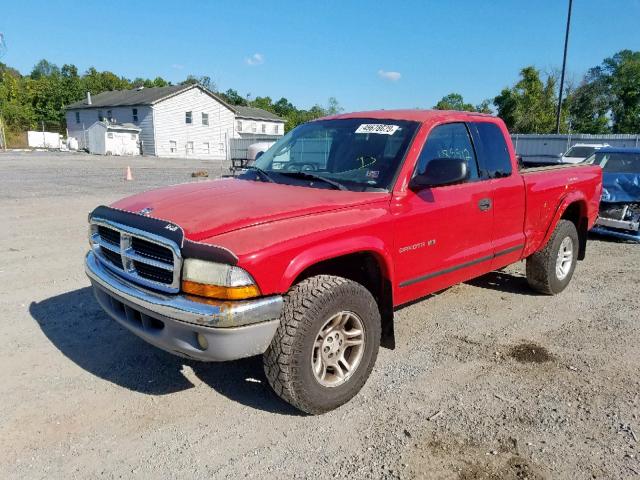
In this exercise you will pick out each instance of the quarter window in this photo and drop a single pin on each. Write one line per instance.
(493, 151)
(188, 118)
(450, 140)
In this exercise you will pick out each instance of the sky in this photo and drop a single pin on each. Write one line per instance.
(367, 54)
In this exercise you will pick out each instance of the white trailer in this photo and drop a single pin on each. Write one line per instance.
(113, 139)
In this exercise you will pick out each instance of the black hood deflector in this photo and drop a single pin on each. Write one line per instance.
(168, 230)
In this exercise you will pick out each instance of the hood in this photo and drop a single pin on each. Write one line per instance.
(620, 187)
(209, 208)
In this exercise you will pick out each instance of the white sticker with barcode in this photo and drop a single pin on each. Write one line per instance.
(379, 128)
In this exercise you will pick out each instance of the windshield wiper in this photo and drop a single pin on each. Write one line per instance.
(312, 176)
(261, 173)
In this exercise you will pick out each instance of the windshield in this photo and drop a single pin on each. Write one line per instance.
(357, 154)
(616, 162)
(580, 152)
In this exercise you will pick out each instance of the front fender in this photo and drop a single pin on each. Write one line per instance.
(335, 249)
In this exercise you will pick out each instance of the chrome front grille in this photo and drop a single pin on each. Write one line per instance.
(139, 256)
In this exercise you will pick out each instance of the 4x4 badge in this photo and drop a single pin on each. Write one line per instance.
(173, 228)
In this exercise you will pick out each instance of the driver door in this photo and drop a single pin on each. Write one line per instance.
(443, 234)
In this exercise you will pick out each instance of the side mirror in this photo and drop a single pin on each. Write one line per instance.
(441, 171)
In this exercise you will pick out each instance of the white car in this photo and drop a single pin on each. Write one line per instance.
(256, 149)
(580, 151)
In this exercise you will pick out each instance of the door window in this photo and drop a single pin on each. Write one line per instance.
(494, 154)
(450, 140)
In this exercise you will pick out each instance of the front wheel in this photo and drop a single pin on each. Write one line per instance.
(326, 344)
(550, 270)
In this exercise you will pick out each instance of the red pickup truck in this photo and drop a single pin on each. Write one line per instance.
(305, 255)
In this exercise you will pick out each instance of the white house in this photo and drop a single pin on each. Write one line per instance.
(104, 138)
(174, 121)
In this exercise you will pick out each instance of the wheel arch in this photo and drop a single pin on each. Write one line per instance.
(572, 207)
(363, 260)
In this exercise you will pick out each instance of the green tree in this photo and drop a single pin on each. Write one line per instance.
(588, 106)
(283, 107)
(44, 68)
(621, 74)
(530, 105)
(333, 107)
(233, 97)
(160, 82)
(263, 102)
(455, 101)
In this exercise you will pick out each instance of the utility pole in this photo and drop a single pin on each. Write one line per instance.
(564, 66)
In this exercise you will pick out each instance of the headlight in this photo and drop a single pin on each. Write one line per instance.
(217, 280)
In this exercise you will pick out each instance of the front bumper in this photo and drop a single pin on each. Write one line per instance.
(232, 330)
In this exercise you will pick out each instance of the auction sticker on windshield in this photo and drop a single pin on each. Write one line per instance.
(379, 128)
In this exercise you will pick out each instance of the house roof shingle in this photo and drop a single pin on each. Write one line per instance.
(255, 113)
(149, 96)
(124, 98)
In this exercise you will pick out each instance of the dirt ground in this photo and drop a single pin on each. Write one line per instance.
(488, 380)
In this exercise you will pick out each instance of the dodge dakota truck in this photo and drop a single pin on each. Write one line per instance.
(305, 256)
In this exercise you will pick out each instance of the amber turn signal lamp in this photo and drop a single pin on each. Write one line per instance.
(219, 292)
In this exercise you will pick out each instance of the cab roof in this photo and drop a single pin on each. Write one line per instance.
(415, 115)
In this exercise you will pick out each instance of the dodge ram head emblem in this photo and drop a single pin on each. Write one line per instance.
(146, 211)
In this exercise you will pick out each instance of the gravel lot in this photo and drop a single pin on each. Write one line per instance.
(489, 381)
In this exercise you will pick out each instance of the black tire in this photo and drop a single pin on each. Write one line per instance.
(541, 266)
(288, 360)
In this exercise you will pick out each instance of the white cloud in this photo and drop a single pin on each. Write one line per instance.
(177, 66)
(255, 59)
(391, 76)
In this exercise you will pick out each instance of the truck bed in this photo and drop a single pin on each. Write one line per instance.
(550, 187)
(524, 169)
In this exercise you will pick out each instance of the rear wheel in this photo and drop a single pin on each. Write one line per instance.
(326, 345)
(549, 270)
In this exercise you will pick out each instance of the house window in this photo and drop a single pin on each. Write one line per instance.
(109, 115)
(205, 119)
(188, 117)
(189, 148)
(221, 147)
(239, 126)
(110, 135)
(254, 128)
(100, 116)
(264, 128)
(275, 128)
(134, 111)
(77, 117)
(205, 147)
(173, 146)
